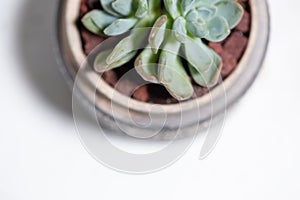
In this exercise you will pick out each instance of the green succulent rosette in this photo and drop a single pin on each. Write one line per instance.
(176, 26)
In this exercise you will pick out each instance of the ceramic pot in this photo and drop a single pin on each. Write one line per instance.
(185, 115)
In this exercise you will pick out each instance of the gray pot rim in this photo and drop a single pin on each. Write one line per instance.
(235, 85)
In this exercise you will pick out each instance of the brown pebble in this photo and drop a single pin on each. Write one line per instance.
(90, 40)
(200, 91)
(229, 64)
(110, 77)
(236, 44)
(141, 94)
(217, 47)
(244, 25)
(83, 8)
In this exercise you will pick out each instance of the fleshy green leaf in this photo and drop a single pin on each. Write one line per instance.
(157, 33)
(218, 29)
(206, 12)
(187, 5)
(172, 7)
(100, 64)
(231, 11)
(179, 30)
(197, 54)
(210, 77)
(146, 65)
(96, 20)
(142, 8)
(107, 6)
(147, 21)
(197, 28)
(192, 16)
(131, 43)
(120, 26)
(172, 73)
(208, 2)
(123, 7)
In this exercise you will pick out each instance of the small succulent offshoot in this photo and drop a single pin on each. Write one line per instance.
(190, 21)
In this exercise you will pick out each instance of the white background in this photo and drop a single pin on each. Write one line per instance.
(41, 156)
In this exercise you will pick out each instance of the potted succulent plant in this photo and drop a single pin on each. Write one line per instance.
(182, 45)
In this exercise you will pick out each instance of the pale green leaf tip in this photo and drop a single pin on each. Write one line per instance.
(157, 34)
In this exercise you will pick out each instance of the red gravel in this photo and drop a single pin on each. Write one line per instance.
(236, 44)
(229, 63)
(244, 25)
(217, 47)
(141, 94)
(90, 40)
(110, 77)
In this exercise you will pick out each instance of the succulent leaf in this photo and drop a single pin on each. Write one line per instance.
(96, 20)
(208, 2)
(172, 73)
(147, 21)
(120, 26)
(192, 16)
(101, 66)
(209, 77)
(218, 29)
(157, 34)
(206, 12)
(231, 11)
(187, 5)
(107, 6)
(146, 65)
(197, 54)
(179, 29)
(131, 43)
(123, 7)
(143, 8)
(197, 28)
(172, 8)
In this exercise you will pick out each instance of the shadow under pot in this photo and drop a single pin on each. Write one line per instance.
(128, 102)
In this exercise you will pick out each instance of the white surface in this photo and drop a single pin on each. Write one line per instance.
(42, 158)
